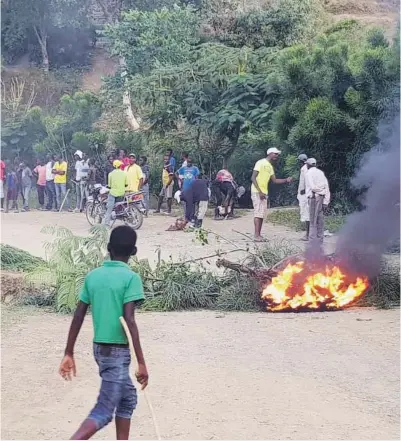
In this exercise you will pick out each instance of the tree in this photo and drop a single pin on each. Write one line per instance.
(39, 17)
(148, 39)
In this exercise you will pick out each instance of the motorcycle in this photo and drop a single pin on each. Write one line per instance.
(130, 208)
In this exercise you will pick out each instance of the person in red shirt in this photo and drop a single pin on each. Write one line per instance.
(40, 172)
(2, 177)
(224, 191)
(122, 156)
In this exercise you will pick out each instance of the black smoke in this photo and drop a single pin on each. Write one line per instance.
(367, 234)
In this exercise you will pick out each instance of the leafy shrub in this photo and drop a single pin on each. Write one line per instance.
(15, 259)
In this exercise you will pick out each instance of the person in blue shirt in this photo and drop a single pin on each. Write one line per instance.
(172, 162)
(187, 175)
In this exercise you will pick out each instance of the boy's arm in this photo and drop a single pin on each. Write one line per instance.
(129, 316)
(67, 365)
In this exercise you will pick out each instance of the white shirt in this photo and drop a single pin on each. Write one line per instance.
(85, 168)
(78, 170)
(49, 174)
(316, 182)
(301, 185)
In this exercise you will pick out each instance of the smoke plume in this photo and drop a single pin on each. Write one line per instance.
(367, 234)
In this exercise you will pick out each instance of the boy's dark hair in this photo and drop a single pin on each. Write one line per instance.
(169, 152)
(185, 155)
(122, 242)
(144, 158)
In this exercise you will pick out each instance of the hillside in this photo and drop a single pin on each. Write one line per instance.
(382, 13)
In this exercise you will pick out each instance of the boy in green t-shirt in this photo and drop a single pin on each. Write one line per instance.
(112, 291)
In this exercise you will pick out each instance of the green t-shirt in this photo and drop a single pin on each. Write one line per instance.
(107, 289)
(117, 181)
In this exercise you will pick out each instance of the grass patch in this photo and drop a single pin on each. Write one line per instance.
(15, 259)
(290, 218)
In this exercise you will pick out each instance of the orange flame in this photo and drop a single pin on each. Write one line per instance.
(322, 290)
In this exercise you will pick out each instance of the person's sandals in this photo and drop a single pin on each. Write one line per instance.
(259, 239)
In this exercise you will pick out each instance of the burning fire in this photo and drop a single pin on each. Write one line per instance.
(292, 290)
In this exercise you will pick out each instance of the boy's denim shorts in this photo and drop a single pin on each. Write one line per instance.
(117, 392)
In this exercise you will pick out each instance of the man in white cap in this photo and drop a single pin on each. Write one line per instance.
(318, 195)
(301, 196)
(79, 164)
(263, 172)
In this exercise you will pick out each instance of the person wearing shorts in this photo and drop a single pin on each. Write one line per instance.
(263, 172)
(168, 184)
(112, 291)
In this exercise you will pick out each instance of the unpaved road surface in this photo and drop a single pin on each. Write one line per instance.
(23, 230)
(215, 376)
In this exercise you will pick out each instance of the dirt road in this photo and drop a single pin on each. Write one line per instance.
(23, 230)
(214, 376)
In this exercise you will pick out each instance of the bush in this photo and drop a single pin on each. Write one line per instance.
(15, 259)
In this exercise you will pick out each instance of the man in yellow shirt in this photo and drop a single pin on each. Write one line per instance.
(263, 172)
(134, 174)
(60, 180)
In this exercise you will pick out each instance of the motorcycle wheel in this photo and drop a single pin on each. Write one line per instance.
(94, 213)
(135, 217)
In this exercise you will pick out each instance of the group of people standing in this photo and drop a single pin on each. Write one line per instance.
(313, 194)
(194, 190)
(18, 178)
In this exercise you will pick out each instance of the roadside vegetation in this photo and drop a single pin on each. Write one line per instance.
(57, 281)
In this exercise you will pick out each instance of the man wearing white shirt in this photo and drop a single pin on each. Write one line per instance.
(79, 164)
(301, 196)
(50, 187)
(318, 195)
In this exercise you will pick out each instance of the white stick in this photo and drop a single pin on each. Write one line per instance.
(65, 198)
(131, 347)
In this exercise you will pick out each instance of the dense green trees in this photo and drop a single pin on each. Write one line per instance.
(39, 23)
(228, 96)
(225, 84)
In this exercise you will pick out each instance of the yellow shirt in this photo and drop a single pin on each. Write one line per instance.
(266, 171)
(62, 166)
(134, 175)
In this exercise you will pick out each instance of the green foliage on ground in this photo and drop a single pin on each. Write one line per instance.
(169, 285)
(15, 259)
(290, 218)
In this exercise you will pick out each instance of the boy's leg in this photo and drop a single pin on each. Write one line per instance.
(125, 409)
(113, 365)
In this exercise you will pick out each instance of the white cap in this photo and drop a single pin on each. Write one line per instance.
(273, 150)
(78, 153)
(311, 161)
(302, 157)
